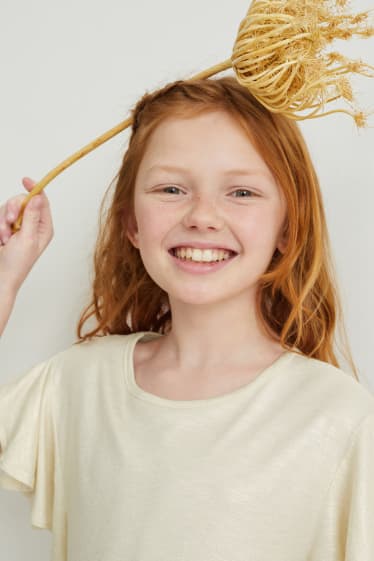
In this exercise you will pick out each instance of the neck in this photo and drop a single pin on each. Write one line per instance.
(216, 336)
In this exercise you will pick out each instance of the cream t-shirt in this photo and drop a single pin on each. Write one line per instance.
(281, 469)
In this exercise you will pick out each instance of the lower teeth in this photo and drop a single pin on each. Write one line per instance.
(193, 261)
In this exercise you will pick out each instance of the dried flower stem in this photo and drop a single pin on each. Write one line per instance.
(278, 55)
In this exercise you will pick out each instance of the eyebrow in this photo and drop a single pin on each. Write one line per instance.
(235, 171)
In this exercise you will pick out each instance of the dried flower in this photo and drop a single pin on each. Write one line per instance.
(278, 55)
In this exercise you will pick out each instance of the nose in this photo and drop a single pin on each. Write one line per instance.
(202, 214)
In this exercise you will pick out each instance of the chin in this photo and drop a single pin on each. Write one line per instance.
(198, 297)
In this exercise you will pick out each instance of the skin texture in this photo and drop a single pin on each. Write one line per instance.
(19, 251)
(214, 325)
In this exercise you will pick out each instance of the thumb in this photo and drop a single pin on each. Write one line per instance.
(31, 217)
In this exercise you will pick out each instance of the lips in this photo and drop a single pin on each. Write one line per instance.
(203, 245)
(200, 267)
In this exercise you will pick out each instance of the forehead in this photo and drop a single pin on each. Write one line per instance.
(206, 123)
(214, 136)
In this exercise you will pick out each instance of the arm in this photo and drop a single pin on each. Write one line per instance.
(7, 300)
(20, 251)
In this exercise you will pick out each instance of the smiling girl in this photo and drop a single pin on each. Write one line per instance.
(209, 216)
(205, 417)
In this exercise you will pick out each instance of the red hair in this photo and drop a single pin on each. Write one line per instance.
(298, 298)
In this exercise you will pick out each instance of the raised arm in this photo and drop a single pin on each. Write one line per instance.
(20, 251)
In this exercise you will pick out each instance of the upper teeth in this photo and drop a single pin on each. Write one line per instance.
(201, 254)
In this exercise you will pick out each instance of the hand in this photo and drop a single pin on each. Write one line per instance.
(20, 250)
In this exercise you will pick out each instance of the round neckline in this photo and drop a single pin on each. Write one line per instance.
(137, 391)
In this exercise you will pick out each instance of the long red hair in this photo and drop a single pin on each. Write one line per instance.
(298, 297)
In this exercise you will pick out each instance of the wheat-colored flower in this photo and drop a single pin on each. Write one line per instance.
(280, 56)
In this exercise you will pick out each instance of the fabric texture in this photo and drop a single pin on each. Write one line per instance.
(281, 469)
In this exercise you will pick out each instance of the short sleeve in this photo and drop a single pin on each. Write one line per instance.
(346, 526)
(28, 441)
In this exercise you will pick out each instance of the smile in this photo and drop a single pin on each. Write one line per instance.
(189, 265)
(202, 255)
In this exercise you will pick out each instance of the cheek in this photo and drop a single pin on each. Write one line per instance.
(257, 226)
(258, 232)
(153, 222)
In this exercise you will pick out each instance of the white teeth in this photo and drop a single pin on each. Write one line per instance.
(202, 255)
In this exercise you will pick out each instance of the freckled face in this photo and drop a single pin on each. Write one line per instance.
(206, 199)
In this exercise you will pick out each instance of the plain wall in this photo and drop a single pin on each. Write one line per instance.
(69, 72)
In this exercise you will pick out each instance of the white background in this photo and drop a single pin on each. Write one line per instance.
(69, 72)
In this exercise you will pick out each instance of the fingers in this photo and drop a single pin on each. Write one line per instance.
(31, 218)
(8, 215)
(28, 183)
(10, 211)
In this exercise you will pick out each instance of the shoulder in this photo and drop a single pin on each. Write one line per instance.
(97, 346)
(331, 389)
(96, 354)
(84, 370)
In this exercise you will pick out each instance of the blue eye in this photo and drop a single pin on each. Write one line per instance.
(243, 191)
(164, 190)
(170, 187)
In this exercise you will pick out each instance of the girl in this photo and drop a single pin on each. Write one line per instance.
(205, 417)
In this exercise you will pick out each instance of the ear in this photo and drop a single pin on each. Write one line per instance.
(132, 232)
(282, 240)
(281, 246)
